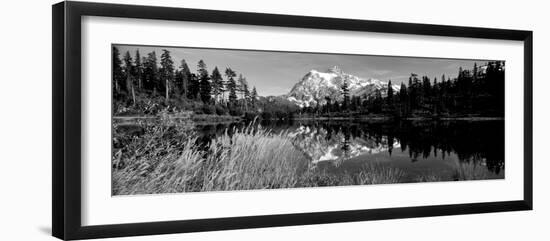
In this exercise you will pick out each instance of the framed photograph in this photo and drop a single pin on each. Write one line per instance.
(171, 120)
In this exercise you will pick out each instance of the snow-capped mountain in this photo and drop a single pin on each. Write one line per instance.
(313, 142)
(316, 86)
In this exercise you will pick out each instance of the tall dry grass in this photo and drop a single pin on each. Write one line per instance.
(461, 171)
(369, 173)
(470, 171)
(250, 158)
(168, 159)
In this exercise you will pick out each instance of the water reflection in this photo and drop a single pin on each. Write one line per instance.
(417, 146)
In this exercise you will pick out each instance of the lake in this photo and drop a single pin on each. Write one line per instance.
(419, 148)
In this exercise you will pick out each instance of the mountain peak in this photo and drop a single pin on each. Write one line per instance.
(335, 69)
(316, 87)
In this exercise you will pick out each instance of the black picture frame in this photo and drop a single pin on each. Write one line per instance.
(66, 127)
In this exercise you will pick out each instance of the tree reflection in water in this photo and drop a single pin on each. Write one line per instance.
(480, 143)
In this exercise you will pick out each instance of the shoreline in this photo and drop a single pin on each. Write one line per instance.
(200, 119)
(389, 118)
(206, 119)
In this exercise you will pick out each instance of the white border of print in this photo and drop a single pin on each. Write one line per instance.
(99, 207)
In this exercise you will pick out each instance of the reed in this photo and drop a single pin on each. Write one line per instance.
(370, 173)
(167, 159)
(249, 158)
(470, 171)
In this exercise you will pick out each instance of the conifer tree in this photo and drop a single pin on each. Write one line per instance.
(194, 87)
(201, 69)
(204, 82)
(404, 99)
(377, 100)
(118, 75)
(242, 88)
(231, 86)
(246, 96)
(345, 94)
(143, 73)
(253, 97)
(474, 74)
(183, 79)
(354, 103)
(217, 84)
(138, 70)
(129, 75)
(167, 73)
(151, 72)
(412, 91)
(403, 92)
(426, 91)
(436, 96)
(390, 94)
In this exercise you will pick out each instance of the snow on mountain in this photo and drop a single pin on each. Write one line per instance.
(314, 143)
(315, 87)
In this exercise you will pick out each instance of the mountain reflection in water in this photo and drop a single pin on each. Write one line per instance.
(418, 147)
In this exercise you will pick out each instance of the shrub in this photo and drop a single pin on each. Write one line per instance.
(197, 107)
(250, 116)
(220, 110)
(266, 115)
(235, 112)
(208, 109)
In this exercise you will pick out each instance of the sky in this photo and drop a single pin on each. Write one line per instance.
(275, 73)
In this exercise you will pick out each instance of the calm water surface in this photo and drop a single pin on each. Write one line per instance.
(416, 147)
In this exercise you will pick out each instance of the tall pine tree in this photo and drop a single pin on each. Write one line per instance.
(242, 88)
(204, 82)
(231, 86)
(138, 70)
(378, 101)
(390, 94)
(167, 73)
(118, 75)
(151, 73)
(182, 79)
(129, 75)
(403, 99)
(194, 87)
(253, 97)
(246, 96)
(345, 94)
(217, 84)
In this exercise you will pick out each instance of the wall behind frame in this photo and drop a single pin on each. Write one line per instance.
(25, 126)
